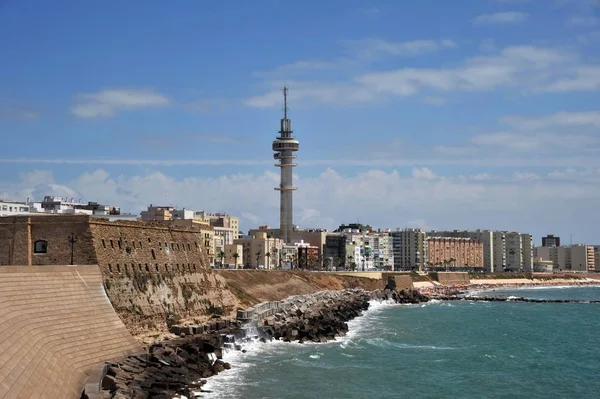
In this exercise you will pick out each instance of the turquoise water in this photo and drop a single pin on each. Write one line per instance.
(436, 350)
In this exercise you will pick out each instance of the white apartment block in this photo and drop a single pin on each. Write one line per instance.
(580, 258)
(409, 249)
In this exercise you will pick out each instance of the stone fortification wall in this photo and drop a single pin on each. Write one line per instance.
(18, 235)
(115, 246)
(451, 278)
(142, 247)
(56, 324)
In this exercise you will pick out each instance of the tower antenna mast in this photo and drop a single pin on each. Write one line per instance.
(285, 106)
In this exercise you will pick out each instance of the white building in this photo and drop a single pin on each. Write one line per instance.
(12, 208)
(579, 258)
(409, 249)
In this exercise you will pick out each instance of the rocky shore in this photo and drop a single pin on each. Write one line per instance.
(179, 366)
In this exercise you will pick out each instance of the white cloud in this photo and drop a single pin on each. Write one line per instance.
(381, 198)
(371, 48)
(423, 173)
(588, 118)
(507, 17)
(108, 102)
(528, 69)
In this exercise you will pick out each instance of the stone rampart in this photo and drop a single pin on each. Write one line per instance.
(56, 326)
(117, 247)
(451, 278)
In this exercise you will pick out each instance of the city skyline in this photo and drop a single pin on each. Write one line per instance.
(477, 115)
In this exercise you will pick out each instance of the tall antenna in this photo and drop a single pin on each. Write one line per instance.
(285, 106)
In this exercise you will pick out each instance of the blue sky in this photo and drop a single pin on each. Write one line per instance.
(464, 114)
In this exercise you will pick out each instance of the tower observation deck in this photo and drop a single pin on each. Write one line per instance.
(284, 146)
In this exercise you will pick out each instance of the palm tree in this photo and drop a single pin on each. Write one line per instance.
(268, 265)
(222, 257)
(257, 258)
(235, 258)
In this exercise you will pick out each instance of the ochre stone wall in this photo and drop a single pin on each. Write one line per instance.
(451, 278)
(115, 246)
(56, 324)
(143, 247)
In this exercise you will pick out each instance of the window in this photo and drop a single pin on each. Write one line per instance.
(40, 247)
(112, 244)
(103, 243)
(153, 254)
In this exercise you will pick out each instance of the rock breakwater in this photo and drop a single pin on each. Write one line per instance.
(179, 366)
(168, 368)
(324, 317)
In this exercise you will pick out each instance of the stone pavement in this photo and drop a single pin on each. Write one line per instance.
(56, 324)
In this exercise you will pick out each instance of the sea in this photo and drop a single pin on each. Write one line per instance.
(458, 349)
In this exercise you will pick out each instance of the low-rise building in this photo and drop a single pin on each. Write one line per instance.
(542, 266)
(13, 208)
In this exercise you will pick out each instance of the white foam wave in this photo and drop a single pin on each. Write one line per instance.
(226, 383)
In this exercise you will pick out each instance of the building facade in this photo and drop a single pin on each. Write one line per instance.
(261, 251)
(334, 251)
(483, 236)
(551, 241)
(580, 258)
(13, 208)
(409, 249)
(454, 253)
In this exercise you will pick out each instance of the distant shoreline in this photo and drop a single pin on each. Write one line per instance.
(490, 284)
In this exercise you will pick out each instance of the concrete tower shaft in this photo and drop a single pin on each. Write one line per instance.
(284, 146)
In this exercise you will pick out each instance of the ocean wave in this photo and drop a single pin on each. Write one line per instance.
(224, 384)
(383, 343)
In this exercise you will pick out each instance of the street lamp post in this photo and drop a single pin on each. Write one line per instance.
(72, 240)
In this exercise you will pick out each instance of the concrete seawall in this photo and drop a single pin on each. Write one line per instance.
(57, 327)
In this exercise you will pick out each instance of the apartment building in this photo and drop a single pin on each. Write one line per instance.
(454, 253)
(551, 241)
(579, 258)
(261, 251)
(409, 249)
(222, 220)
(485, 237)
